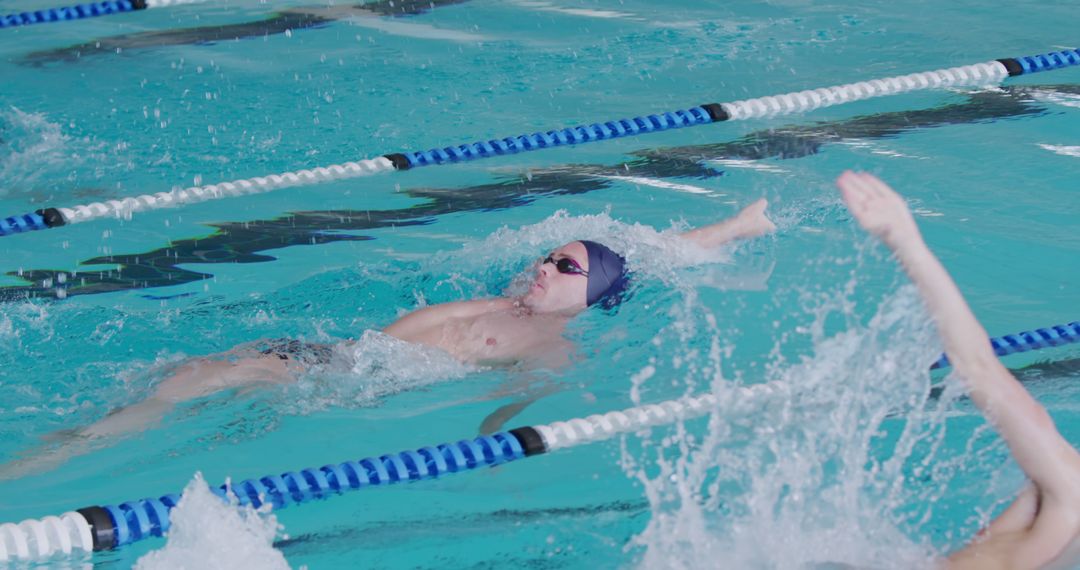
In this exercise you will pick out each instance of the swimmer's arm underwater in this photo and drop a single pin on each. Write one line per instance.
(1045, 520)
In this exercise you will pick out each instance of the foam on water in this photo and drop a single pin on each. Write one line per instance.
(7, 329)
(27, 327)
(1063, 150)
(208, 533)
(1057, 98)
(29, 145)
(819, 473)
(374, 366)
(649, 253)
(36, 151)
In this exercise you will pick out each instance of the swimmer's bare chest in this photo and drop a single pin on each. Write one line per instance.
(501, 337)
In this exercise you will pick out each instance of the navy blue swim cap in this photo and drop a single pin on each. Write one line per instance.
(607, 274)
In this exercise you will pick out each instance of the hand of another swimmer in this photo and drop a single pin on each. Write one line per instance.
(878, 208)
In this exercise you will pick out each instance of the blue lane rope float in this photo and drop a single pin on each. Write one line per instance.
(581, 134)
(76, 12)
(1043, 62)
(119, 525)
(97, 528)
(1025, 341)
(106, 527)
(708, 113)
(83, 11)
(26, 222)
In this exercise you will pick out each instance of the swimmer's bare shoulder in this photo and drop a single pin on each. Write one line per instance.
(421, 321)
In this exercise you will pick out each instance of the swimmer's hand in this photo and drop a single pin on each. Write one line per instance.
(749, 223)
(878, 208)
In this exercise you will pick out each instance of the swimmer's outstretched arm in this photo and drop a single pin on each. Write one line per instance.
(1044, 521)
(749, 223)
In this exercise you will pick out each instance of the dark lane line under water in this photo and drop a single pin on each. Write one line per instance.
(280, 22)
(242, 242)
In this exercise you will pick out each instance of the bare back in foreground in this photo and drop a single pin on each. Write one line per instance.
(1040, 529)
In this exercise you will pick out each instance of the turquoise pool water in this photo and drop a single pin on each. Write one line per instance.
(862, 468)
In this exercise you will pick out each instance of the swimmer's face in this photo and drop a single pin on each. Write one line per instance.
(553, 291)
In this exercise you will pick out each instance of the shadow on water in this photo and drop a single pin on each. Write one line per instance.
(289, 20)
(242, 242)
(1031, 373)
(384, 532)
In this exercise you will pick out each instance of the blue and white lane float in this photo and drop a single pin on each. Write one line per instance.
(978, 74)
(1024, 341)
(107, 527)
(83, 11)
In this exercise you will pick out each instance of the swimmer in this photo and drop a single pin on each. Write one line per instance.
(1040, 528)
(526, 331)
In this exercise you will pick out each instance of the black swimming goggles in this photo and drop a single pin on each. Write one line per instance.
(566, 265)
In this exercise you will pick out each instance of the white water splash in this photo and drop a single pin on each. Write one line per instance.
(29, 145)
(210, 534)
(648, 252)
(1062, 149)
(373, 367)
(34, 150)
(802, 481)
(37, 156)
(21, 321)
(1056, 97)
(8, 334)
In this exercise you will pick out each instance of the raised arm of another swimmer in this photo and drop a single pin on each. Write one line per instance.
(1041, 527)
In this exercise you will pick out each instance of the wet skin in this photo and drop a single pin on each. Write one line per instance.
(507, 330)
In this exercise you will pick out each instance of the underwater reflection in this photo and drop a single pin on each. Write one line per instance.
(280, 22)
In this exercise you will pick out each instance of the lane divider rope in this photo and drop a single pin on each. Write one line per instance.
(83, 11)
(1024, 341)
(801, 101)
(106, 527)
